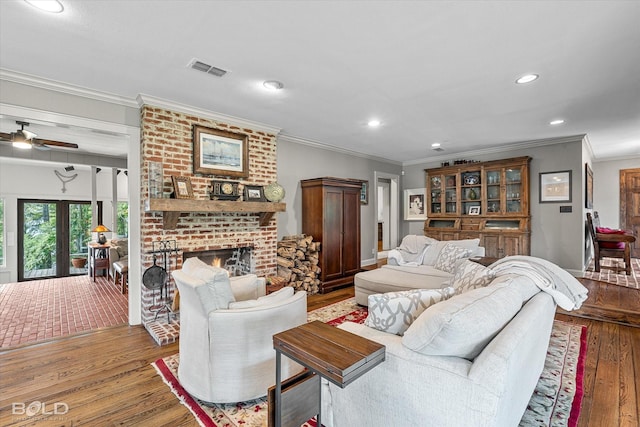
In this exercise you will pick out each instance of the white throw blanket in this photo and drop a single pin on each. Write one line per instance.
(565, 289)
(411, 251)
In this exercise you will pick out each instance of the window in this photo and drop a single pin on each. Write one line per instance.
(122, 225)
(2, 261)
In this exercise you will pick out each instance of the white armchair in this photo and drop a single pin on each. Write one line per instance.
(226, 354)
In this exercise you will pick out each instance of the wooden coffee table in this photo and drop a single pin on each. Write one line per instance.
(336, 355)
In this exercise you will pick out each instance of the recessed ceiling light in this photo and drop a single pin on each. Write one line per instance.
(435, 145)
(527, 78)
(53, 6)
(273, 85)
(373, 123)
(556, 122)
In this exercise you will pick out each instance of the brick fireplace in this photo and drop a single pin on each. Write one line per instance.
(167, 139)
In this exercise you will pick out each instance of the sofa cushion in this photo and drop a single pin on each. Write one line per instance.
(464, 324)
(448, 256)
(610, 245)
(470, 275)
(433, 250)
(217, 280)
(121, 246)
(394, 312)
(276, 297)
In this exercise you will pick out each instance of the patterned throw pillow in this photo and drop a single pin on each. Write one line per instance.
(448, 256)
(470, 275)
(394, 312)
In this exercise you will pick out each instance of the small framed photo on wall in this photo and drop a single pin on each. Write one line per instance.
(415, 208)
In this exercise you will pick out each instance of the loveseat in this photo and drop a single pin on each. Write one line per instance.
(418, 263)
(471, 359)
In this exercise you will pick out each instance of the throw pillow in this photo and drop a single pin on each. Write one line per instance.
(471, 275)
(448, 256)
(271, 299)
(394, 312)
(464, 324)
(434, 249)
(610, 245)
(217, 280)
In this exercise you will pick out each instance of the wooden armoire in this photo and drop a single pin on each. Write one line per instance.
(331, 214)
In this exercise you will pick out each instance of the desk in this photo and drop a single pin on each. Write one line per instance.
(98, 259)
(336, 355)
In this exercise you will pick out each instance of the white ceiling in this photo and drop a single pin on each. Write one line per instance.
(430, 71)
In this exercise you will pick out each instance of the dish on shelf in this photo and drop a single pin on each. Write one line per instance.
(471, 179)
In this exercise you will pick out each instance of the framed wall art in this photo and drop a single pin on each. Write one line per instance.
(588, 197)
(254, 193)
(415, 207)
(218, 152)
(555, 187)
(182, 187)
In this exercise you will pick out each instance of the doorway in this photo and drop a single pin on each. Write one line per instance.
(52, 234)
(630, 205)
(386, 212)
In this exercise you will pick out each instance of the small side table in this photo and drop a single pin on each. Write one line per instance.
(336, 355)
(98, 259)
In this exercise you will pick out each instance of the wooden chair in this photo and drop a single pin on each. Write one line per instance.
(611, 245)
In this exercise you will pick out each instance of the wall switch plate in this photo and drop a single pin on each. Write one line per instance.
(565, 209)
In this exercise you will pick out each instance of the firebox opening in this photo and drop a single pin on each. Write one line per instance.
(237, 261)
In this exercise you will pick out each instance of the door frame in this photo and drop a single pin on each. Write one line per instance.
(394, 208)
(63, 260)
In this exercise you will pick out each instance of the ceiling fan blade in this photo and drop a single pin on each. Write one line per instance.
(53, 143)
(5, 136)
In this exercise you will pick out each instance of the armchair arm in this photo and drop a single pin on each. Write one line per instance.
(113, 255)
(627, 238)
(248, 287)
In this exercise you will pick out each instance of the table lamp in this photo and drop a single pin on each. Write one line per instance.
(101, 229)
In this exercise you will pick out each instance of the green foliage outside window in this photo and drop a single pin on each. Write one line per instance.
(79, 227)
(39, 235)
(122, 220)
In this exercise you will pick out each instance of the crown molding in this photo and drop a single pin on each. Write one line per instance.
(328, 147)
(500, 149)
(144, 99)
(69, 89)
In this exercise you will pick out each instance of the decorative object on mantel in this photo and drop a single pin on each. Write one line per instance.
(219, 152)
(182, 187)
(274, 192)
(224, 190)
(156, 180)
(64, 179)
(253, 193)
(101, 229)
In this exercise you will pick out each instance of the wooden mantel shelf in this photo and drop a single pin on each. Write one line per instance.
(172, 208)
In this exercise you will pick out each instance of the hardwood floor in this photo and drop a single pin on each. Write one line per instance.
(105, 377)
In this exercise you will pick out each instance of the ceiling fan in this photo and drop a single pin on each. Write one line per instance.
(25, 139)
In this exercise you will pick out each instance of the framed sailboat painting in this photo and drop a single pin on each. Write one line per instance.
(220, 152)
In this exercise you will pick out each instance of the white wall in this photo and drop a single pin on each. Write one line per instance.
(297, 161)
(22, 181)
(558, 237)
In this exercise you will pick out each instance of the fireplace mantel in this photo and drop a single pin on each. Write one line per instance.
(172, 208)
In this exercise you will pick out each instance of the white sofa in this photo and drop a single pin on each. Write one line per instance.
(411, 388)
(226, 347)
(418, 274)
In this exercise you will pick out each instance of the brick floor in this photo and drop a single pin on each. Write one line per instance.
(43, 309)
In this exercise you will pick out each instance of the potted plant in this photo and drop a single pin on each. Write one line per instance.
(79, 261)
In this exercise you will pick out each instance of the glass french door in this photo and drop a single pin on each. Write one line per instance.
(54, 237)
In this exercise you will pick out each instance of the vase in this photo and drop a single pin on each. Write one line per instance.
(472, 194)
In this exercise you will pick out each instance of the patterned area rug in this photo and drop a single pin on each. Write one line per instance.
(555, 402)
(612, 271)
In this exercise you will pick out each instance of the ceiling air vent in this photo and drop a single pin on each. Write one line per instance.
(206, 68)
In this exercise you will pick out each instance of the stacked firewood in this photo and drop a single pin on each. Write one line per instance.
(298, 262)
